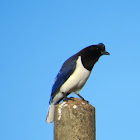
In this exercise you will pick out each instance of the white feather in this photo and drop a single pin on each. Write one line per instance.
(50, 115)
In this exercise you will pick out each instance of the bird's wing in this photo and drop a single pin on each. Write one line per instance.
(64, 73)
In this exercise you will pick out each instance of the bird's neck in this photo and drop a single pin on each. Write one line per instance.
(89, 61)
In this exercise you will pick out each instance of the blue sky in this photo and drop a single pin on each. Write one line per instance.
(36, 37)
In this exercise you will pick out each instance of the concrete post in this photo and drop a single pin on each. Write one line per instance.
(74, 120)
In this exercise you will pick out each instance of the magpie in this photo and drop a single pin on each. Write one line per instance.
(73, 75)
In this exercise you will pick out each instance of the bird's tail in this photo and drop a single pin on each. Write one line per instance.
(50, 115)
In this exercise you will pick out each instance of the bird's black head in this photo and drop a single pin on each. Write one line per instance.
(100, 49)
(91, 54)
(94, 51)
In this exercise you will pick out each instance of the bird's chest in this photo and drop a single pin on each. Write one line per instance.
(77, 80)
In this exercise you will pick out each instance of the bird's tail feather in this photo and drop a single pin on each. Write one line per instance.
(50, 115)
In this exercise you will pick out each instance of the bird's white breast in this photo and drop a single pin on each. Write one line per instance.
(77, 80)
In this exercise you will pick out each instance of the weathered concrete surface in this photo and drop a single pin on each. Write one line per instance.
(74, 120)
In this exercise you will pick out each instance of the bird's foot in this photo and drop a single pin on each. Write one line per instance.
(86, 101)
(66, 99)
(82, 98)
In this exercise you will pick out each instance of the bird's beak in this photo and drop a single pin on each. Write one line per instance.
(105, 53)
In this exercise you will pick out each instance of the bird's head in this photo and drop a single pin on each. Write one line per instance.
(94, 51)
(91, 54)
(100, 48)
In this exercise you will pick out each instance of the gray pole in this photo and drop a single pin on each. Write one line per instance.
(74, 120)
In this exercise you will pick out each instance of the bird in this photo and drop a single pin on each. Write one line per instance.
(73, 75)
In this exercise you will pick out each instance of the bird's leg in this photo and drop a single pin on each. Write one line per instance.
(81, 97)
(65, 97)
